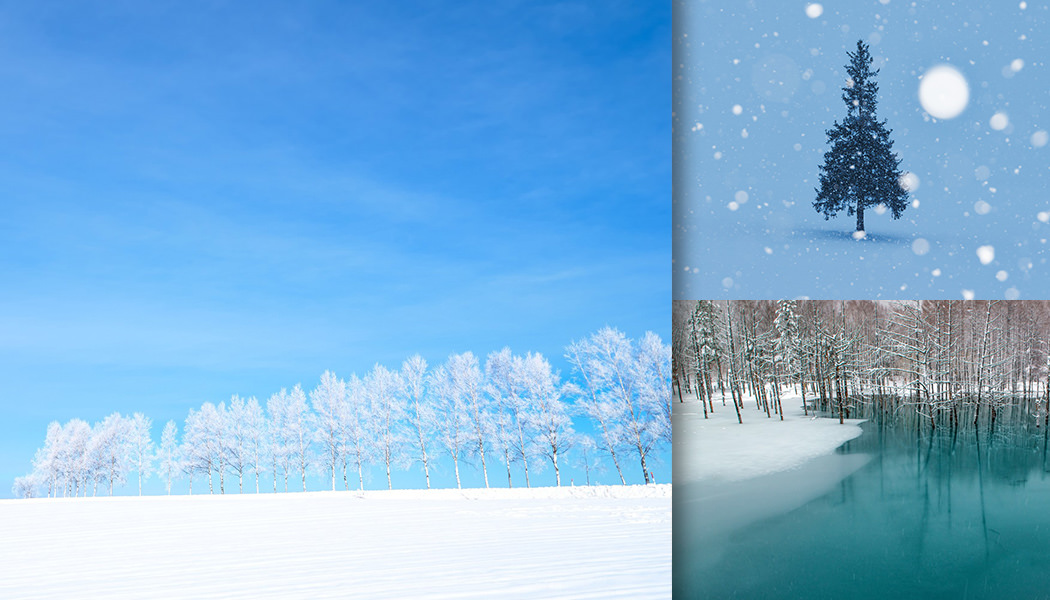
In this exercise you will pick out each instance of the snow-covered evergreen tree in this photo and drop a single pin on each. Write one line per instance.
(860, 170)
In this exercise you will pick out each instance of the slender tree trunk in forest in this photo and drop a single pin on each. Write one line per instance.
(732, 361)
(838, 392)
(860, 215)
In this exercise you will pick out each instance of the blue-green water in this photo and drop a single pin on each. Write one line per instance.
(927, 515)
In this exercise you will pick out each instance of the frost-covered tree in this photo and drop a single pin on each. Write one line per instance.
(358, 435)
(235, 439)
(586, 458)
(595, 403)
(860, 170)
(140, 445)
(168, 455)
(467, 378)
(453, 425)
(47, 460)
(27, 486)
(108, 452)
(330, 406)
(387, 408)
(280, 446)
(77, 435)
(200, 443)
(505, 385)
(216, 439)
(299, 422)
(653, 374)
(501, 388)
(609, 363)
(550, 415)
(420, 410)
(191, 460)
(256, 440)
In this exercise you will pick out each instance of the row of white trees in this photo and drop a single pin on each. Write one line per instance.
(512, 411)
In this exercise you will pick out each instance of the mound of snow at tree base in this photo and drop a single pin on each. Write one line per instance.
(575, 542)
(721, 449)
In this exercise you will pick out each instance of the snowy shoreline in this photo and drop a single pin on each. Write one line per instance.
(609, 542)
(729, 475)
(719, 449)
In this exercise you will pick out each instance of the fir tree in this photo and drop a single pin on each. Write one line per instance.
(860, 170)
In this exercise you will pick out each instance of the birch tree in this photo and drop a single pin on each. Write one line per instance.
(299, 422)
(330, 406)
(140, 444)
(453, 426)
(386, 409)
(168, 457)
(420, 409)
(554, 432)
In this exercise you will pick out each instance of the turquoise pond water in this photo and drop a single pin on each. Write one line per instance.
(895, 513)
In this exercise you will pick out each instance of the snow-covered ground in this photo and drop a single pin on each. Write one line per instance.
(721, 449)
(579, 542)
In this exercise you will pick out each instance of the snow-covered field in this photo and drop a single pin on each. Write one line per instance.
(721, 449)
(578, 542)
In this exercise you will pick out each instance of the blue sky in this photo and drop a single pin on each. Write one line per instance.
(757, 85)
(204, 199)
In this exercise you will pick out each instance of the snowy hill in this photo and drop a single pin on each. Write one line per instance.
(570, 542)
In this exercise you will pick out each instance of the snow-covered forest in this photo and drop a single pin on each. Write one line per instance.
(946, 362)
(510, 415)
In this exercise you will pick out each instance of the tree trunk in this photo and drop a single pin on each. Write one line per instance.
(557, 473)
(860, 216)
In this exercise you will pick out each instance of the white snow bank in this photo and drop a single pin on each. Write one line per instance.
(721, 449)
(600, 542)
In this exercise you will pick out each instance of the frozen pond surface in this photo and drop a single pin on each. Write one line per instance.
(937, 515)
